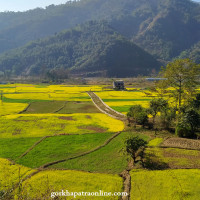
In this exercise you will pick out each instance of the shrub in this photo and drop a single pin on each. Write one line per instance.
(133, 145)
(138, 114)
(183, 130)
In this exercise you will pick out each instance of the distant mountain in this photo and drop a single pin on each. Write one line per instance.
(87, 48)
(193, 53)
(163, 28)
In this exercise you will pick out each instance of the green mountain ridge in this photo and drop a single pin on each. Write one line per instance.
(193, 53)
(163, 28)
(90, 47)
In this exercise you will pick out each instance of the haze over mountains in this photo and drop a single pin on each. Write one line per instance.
(164, 29)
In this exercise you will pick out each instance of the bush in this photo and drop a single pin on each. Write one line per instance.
(183, 131)
(138, 114)
(188, 124)
(133, 145)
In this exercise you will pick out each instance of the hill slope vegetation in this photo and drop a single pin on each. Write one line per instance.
(163, 28)
(91, 47)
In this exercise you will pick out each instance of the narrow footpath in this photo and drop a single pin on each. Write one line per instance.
(105, 108)
(117, 115)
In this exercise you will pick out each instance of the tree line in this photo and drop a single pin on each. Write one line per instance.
(176, 107)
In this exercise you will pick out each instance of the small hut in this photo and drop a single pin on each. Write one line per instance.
(118, 85)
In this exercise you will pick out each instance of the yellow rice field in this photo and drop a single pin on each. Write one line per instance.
(122, 94)
(11, 108)
(144, 104)
(176, 184)
(38, 125)
(47, 182)
(11, 173)
(51, 92)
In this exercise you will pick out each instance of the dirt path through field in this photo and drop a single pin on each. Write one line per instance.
(127, 184)
(45, 166)
(32, 147)
(105, 108)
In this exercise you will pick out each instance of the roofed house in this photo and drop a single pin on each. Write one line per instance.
(118, 85)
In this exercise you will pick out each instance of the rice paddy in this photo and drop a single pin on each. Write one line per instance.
(121, 101)
(42, 124)
(166, 184)
(62, 147)
(110, 159)
(10, 174)
(11, 108)
(47, 183)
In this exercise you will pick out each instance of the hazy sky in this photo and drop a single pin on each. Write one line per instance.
(22, 5)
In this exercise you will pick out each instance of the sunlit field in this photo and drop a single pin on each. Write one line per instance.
(61, 147)
(24, 92)
(10, 173)
(123, 100)
(165, 184)
(73, 125)
(57, 135)
(46, 182)
(38, 125)
(11, 108)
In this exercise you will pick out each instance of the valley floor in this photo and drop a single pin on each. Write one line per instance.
(54, 138)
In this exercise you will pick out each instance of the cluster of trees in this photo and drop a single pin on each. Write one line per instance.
(193, 53)
(91, 47)
(164, 29)
(177, 106)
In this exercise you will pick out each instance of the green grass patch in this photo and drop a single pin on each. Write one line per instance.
(45, 107)
(155, 142)
(167, 184)
(109, 159)
(12, 148)
(79, 107)
(8, 100)
(62, 147)
(121, 108)
(62, 107)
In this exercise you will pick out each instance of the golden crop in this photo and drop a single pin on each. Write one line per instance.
(11, 173)
(11, 108)
(38, 125)
(46, 182)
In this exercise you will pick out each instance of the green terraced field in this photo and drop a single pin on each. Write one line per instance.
(109, 159)
(62, 147)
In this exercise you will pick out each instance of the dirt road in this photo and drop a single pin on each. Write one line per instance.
(105, 108)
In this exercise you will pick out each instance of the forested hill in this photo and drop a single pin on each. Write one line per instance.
(164, 28)
(90, 47)
(192, 53)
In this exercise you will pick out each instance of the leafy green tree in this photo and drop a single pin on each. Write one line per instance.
(138, 114)
(156, 106)
(196, 102)
(182, 77)
(188, 123)
(133, 144)
(167, 117)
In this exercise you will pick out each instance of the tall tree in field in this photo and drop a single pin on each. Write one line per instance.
(133, 144)
(182, 77)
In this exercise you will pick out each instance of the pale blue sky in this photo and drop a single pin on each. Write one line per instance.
(22, 5)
